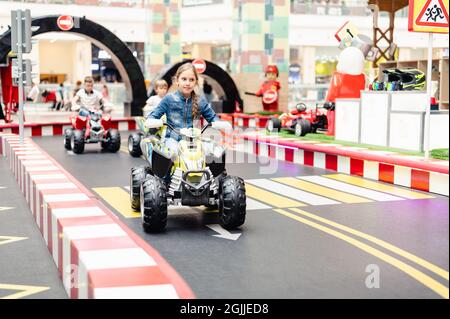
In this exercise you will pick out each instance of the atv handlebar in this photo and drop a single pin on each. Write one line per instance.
(157, 123)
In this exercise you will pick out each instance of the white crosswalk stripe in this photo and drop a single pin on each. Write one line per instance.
(291, 192)
(356, 190)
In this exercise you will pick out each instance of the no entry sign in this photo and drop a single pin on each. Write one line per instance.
(65, 22)
(199, 65)
(270, 96)
(428, 16)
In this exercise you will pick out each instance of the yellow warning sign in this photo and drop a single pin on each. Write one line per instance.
(428, 16)
(347, 32)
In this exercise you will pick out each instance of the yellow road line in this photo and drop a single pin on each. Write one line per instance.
(426, 280)
(378, 186)
(321, 190)
(25, 290)
(119, 199)
(437, 270)
(270, 198)
(10, 239)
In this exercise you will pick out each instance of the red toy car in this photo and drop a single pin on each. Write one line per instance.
(300, 120)
(93, 128)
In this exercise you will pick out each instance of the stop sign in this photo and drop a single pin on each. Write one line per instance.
(65, 23)
(199, 65)
(270, 96)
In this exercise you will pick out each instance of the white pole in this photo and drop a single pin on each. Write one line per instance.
(427, 114)
(19, 59)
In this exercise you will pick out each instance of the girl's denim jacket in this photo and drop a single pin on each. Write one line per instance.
(178, 110)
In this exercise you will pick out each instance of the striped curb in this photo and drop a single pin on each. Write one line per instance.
(250, 121)
(57, 128)
(97, 256)
(429, 176)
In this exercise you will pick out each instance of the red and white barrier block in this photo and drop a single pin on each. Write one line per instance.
(250, 120)
(430, 176)
(58, 128)
(96, 254)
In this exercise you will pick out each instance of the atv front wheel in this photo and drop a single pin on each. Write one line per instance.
(273, 125)
(232, 202)
(113, 145)
(137, 176)
(153, 204)
(134, 145)
(67, 138)
(77, 142)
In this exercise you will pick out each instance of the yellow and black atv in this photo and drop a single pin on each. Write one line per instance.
(194, 176)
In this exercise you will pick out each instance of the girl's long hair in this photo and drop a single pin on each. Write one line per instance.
(194, 96)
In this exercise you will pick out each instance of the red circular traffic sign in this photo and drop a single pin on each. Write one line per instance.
(199, 65)
(65, 23)
(270, 96)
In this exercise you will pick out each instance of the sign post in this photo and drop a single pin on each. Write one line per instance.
(429, 16)
(21, 43)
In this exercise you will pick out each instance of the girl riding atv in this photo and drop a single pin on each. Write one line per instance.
(185, 169)
(183, 107)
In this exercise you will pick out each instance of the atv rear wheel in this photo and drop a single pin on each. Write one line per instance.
(77, 142)
(67, 139)
(302, 127)
(273, 125)
(153, 204)
(134, 145)
(232, 202)
(137, 176)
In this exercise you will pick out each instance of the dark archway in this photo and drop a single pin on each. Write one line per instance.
(121, 55)
(218, 74)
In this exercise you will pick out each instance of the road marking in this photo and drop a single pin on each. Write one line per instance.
(356, 190)
(254, 205)
(270, 198)
(223, 233)
(378, 186)
(24, 290)
(325, 191)
(437, 270)
(2, 187)
(291, 192)
(118, 199)
(10, 239)
(2, 209)
(411, 271)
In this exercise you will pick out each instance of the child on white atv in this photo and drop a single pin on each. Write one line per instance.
(190, 172)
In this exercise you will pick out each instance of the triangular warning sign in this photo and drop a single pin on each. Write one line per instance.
(433, 14)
